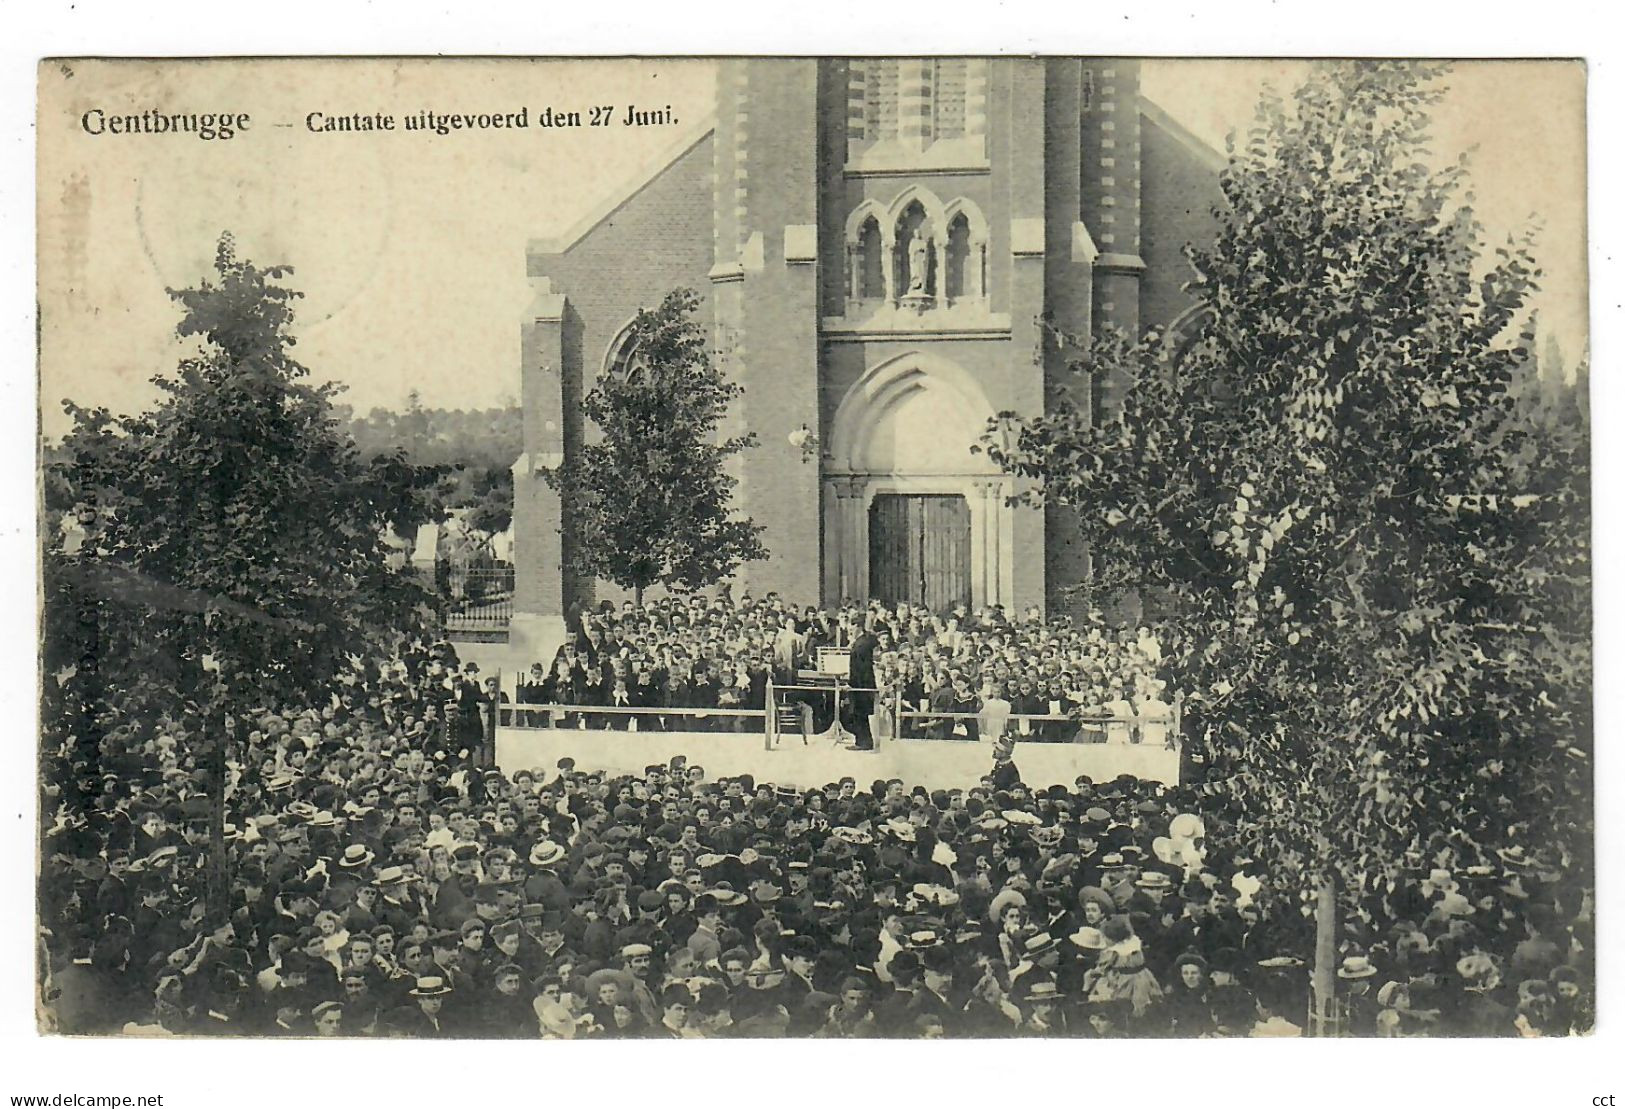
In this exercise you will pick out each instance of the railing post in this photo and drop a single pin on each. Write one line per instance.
(770, 722)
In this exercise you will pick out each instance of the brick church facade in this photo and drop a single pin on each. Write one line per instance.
(875, 241)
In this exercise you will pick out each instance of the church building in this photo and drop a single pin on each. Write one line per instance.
(875, 242)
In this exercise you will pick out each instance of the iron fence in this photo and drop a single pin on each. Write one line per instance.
(476, 600)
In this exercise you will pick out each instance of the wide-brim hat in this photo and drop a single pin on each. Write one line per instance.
(1154, 880)
(546, 853)
(390, 876)
(1440, 881)
(431, 986)
(1356, 966)
(1515, 856)
(923, 939)
(1090, 939)
(1021, 816)
(1044, 991)
(1280, 962)
(1002, 901)
(598, 978)
(323, 819)
(1474, 967)
(1040, 943)
(304, 810)
(941, 896)
(1386, 996)
(356, 856)
(724, 894)
(1186, 826)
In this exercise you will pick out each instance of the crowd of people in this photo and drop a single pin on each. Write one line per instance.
(382, 882)
(1092, 681)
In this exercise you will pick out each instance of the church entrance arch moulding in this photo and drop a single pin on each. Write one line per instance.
(906, 427)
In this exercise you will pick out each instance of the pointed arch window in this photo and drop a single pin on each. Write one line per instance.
(625, 361)
(870, 262)
(959, 257)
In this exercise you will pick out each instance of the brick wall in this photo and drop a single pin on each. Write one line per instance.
(659, 239)
(1181, 186)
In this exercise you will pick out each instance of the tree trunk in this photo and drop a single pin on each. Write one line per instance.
(1323, 1017)
(219, 879)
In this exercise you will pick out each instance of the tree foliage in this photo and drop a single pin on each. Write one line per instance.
(234, 522)
(470, 451)
(1378, 561)
(649, 502)
(490, 508)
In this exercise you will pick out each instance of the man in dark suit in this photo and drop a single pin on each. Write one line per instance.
(862, 677)
(1004, 772)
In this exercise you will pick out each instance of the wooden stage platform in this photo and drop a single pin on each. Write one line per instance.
(935, 764)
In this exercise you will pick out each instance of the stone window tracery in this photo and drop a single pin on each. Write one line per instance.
(916, 253)
(625, 361)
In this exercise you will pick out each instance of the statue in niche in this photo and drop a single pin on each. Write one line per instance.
(919, 253)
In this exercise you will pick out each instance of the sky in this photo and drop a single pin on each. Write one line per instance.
(410, 247)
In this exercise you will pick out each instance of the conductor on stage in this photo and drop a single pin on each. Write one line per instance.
(862, 676)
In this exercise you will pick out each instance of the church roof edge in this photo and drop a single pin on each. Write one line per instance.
(623, 194)
(1214, 159)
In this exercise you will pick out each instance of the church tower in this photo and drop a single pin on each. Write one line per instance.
(876, 242)
(961, 201)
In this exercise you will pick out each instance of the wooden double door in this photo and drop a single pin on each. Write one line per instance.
(919, 550)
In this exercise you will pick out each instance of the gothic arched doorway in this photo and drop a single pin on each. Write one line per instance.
(910, 513)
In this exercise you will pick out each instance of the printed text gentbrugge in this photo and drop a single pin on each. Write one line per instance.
(205, 125)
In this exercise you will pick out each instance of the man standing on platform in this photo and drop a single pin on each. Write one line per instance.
(862, 675)
(470, 725)
(1004, 773)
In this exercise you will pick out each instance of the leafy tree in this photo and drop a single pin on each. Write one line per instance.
(1378, 561)
(233, 539)
(491, 503)
(648, 503)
